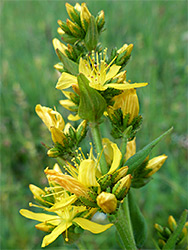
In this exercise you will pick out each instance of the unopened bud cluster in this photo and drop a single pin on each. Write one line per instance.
(165, 233)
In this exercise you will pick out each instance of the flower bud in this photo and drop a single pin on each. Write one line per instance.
(60, 31)
(72, 13)
(107, 202)
(121, 173)
(172, 223)
(69, 130)
(57, 136)
(121, 188)
(85, 16)
(100, 20)
(127, 48)
(53, 152)
(161, 243)
(128, 102)
(81, 130)
(159, 228)
(155, 164)
(75, 29)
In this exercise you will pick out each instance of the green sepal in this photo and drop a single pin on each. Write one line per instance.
(92, 104)
(137, 159)
(91, 38)
(138, 221)
(69, 65)
(175, 235)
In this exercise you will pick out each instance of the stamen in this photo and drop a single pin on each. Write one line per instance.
(82, 153)
(66, 234)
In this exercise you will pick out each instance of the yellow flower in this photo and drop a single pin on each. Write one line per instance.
(62, 221)
(98, 73)
(65, 213)
(128, 103)
(86, 176)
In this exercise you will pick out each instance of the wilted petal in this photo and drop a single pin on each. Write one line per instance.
(86, 173)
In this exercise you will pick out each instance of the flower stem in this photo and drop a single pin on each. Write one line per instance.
(99, 148)
(123, 149)
(123, 225)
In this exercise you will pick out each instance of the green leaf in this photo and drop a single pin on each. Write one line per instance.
(138, 221)
(92, 104)
(174, 236)
(69, 65)
(141, 155)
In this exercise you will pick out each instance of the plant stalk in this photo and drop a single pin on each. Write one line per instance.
(99, 147)
(123, 225)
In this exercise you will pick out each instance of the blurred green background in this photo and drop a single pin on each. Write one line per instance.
(158, 30)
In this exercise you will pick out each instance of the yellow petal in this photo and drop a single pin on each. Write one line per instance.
(74, 117)
(66, 80)
(116, 158)
(57, 168)
(84, 67)
(86, 173)
(68, 104)
(98, 86)
(55, 233)
(63, 203)
(108, 151)
(126, 85)
(52, 219)
(130, 149)
(91, 226)
(112, 72)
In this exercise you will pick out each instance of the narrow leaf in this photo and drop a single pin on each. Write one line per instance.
(92, 104)
(69, 65)
(138, 222)
(174, 236)
(141, 155)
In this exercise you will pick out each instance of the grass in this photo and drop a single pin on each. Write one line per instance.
(158, 31)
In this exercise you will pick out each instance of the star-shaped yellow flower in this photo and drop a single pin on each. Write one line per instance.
(100, 74)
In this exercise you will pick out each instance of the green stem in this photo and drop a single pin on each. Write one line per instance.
(125, 137)
(99, 148)
(123, 149)
(123, 225)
